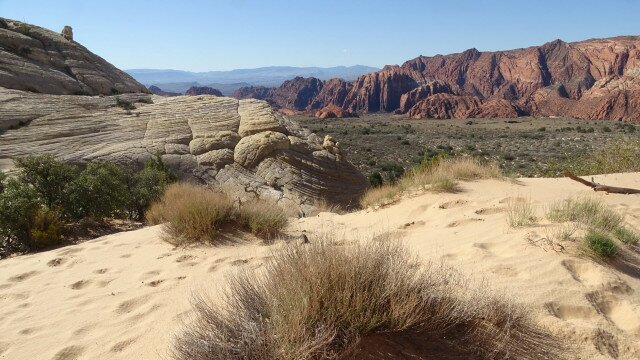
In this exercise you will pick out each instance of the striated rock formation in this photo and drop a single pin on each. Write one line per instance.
(241, 145)
(39, 60)
(332, 111)
(203, 90)
(593, 79)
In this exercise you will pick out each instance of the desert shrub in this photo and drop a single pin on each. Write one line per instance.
(3, 24)
(3, 178)
(99, 191)
(375, 179)
(47, 176)
(192, 213)
(393, 170)
(125, 104)
(617, 157)
(45, 229)
(147, 186)
(520, 212)
(438, 173)
(263, 218)
(589, 212)
(318, 301)
(24, 29)
(626, 235)
(19, 204)
(600, 243)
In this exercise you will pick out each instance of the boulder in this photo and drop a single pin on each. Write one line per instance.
(254, 148)
(215, 141)
(332, 111)
(67, 33)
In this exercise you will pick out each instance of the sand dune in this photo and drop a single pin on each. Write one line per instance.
(123, 296)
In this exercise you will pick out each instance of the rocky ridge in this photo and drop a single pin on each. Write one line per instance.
(592, 79)
(39, 60)
(242, 146)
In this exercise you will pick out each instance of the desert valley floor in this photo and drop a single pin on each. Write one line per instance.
(124, 296)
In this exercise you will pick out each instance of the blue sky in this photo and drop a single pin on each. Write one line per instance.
(228, 34)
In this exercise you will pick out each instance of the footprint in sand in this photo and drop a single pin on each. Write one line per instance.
(29, 331)
(589, 274)
(489, 211)
(463, 222)
(130, 305)
(504, 271)
(23, 276)
(69, 353)
(184, 258)
(453, 204)
(56, 262)
(412, 224)
(85, 329)
(81, 284)
(240, 262)
(620, 312)
(155, 283)
(485, 246)
(121, 345)
(511, 199)
(100, 271)
(568, 312)
(125, 256)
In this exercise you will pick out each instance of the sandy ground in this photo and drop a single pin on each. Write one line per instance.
(124, 296)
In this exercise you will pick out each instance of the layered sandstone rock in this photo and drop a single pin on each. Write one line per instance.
(243, 146)
(332, 111)
(593, 79)
(39, 60)
(203, 90)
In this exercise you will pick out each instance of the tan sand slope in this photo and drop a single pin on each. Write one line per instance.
(123, 296)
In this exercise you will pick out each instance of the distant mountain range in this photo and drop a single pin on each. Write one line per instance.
(228, 81)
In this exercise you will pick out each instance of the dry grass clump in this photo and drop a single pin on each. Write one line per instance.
(263, 218)
(590, 212)
(192, 213)
(438, 175)
(520, 212)
(319, 301)
(600, 223)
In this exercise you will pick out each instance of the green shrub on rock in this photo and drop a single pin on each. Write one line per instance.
(19, 204)
(47, 175)
(45, 229)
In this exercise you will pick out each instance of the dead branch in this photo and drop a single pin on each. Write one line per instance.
(598, 187)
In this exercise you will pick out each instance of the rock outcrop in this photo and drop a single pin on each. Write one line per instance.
(39, 60)
(157, 91)
(242, 146)
(593, 79)
(332, 111)
(203, 90)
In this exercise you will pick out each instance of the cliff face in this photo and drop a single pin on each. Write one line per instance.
(39, 60)
(593, 79)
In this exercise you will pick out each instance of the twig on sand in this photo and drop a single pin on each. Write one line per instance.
(598, 187)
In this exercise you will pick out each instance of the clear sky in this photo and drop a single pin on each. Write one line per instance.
(229, 34)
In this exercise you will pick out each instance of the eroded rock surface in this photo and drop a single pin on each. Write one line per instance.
(240, 145)
(592, 79)
(39, 60)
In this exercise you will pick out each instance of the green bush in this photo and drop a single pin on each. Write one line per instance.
(47, 176)
(600, 243)
(100, 191)
(625, 235)
(3, 178)
(375, 179)
(147, 186)
(19, 204)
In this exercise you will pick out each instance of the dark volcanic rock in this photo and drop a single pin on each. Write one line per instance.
(203, 90)
(39, 60)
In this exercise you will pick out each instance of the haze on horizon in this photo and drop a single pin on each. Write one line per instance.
(244, 34)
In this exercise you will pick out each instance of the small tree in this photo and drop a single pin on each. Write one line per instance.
(148, 185)
(47, 176)
(19, 203)
(100, 191)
